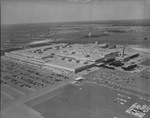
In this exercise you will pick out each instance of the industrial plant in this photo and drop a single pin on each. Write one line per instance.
(65, 58)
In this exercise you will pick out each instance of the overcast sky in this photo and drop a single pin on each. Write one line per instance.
(35, 11)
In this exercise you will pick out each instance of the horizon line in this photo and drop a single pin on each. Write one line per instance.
(79, 21)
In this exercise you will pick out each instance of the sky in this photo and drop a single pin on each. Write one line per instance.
(39, 11)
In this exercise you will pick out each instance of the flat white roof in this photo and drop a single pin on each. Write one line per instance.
(39, 52)
(68, 65)
(70, 57)
(85, 52)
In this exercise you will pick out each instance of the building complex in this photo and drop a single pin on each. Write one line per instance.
(64, 58)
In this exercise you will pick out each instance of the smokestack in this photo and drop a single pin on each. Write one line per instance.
(123, 51)
(96, 42)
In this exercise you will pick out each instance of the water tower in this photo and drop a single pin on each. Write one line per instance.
(89, 34)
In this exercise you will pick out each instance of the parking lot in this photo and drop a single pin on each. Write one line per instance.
(20, 79)
(109, 78)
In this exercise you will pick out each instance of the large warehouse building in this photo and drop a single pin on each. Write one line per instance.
(64, 58)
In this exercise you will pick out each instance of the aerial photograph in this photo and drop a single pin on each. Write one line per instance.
(75, 59)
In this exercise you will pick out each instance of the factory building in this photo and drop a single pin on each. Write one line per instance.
(64, 58)
(130, 57)
(110, 46)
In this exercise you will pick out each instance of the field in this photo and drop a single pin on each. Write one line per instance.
(86, 101)
(116, 38)
(23, 35)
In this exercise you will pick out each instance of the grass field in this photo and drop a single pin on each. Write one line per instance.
(87, 101)
(116, 38)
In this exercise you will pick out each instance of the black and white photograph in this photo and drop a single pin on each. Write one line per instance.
(75, 59)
